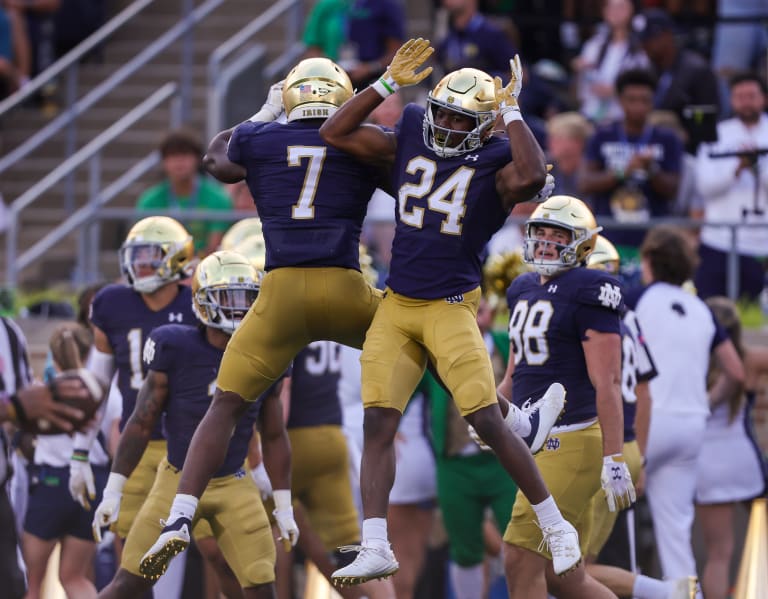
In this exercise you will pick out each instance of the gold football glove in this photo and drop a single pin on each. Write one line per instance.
(411, 55)
(507, 96)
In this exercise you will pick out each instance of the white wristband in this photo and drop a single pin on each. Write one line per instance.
(282, 499)
(115, 483)
(385, 86)
(510, 115)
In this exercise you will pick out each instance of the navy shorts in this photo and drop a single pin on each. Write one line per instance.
(51, 512)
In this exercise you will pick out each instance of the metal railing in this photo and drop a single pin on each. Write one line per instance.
(91, 152)
(217, 72)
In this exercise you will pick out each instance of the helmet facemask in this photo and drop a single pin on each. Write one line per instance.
(224, 306)
(438, 138)
(146, 265)
(568, 253)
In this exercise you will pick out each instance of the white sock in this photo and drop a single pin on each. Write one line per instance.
(375, 532)
(184, 506)
(466, 581)
(517, 421)
(547, 512)
(649, 588)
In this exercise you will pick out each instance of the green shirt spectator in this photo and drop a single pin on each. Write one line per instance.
(186, 189)
(326, 29)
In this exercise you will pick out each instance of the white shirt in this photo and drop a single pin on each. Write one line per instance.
(731, 199)
(679, 330)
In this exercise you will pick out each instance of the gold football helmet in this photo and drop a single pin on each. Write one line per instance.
(254, 249)
(564, 212)
(604, 256)
(470, 92)
(223, 288)
(314, 89)
(239, 231)
(156, 251)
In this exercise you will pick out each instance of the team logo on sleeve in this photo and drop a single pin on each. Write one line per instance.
(610, 295)
(149, 351)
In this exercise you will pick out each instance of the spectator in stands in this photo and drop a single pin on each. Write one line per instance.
(687, 85)
(75, 21)
(186, 188)
(15, 51)
(567, 135)
(474, 41)
(688, 202)
(741, 40)
(735, 189)
(325, 31)
(632, 169)
(375, 30)
(615, 47)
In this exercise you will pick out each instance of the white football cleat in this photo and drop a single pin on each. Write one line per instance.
(684, 588)
(562, 541)
(542, 414)
(371, 563)
(173, 540)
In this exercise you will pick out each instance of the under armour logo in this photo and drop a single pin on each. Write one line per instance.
(552, 289)
(552, 444)
(610, 295)
(455, 299)
(175, 317)
(149, 351)
(616, 473)
(240, 473)
(472, 157)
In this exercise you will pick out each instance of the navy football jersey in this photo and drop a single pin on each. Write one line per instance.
(191, 364)
(448, 209)
(547, 325)
(636, 366)
(314, 385)
(120, 312)
(311, 197)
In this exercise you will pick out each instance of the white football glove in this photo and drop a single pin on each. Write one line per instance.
(107, 511)
(261, 478)
(283, 513)
(81, 484)
(546, 191)
(617, 483)
(273, 107)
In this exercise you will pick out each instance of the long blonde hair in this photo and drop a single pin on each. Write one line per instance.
(727, 316)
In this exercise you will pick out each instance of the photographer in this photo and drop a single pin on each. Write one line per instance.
(735, 188)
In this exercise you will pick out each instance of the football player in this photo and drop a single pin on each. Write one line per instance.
(564, 325)
(320, 473)
(156, 255)
(456, 184)
(182, 363)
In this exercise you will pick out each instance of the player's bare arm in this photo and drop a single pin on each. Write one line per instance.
(525, 175)
(731, 376)
(150, 403)
(206, 451)
(602, 352)
(275, 446)
(345, 130)
(218, 164)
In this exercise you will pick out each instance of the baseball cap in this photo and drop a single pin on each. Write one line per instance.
(651, 22)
